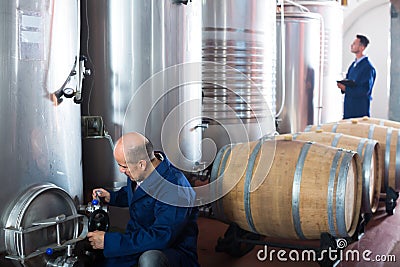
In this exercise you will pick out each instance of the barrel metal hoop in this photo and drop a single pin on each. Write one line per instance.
(331, 184)
(371, 131)
(397, 183)
(247, 183)
(334, 128)
(335, 140)
(215, 169)
(366, 178)
(295, 135)
(387, 155)
(308, 128)
(382, 123)
(296, 189)
(341, 193)
(215, 173)
(223, 164)
(361, 146)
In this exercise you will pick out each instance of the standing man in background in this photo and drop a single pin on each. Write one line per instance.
(360, 79)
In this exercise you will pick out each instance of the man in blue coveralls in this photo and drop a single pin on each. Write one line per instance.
(360, 79)
(162, 230)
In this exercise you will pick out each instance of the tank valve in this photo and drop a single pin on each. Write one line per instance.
(67, 260)
(99, 221)
(98, 216)
(64, 261)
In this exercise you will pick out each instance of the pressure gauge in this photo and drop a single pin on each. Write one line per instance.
(68, 92)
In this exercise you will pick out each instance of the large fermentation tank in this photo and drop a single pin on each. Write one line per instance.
(40, 137)
(332, 17)
(298, 79)
(146, 76)
(239, 59)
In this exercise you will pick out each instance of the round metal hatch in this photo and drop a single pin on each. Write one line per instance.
(39, 219)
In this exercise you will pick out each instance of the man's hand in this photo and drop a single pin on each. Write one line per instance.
(341, 86)
(100, 192)
(96, 239)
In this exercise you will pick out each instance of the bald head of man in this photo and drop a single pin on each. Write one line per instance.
(135, 156)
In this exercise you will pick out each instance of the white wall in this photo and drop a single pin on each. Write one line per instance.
(371, 18)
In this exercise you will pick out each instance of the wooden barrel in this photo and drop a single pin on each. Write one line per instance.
(381, 122)
(371, 161)
(308, 188)
(387, 137)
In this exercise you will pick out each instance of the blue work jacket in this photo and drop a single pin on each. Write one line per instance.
(358, 97)
(162, 217)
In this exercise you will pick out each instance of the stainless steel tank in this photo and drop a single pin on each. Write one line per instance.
(146, 76)
(298, 79)
(40, 136)
(239, 59)
(332, 17)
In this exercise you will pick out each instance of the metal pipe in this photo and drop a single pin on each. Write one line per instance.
(283, 60)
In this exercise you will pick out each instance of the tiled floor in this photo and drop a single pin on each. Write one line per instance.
(381, 239)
